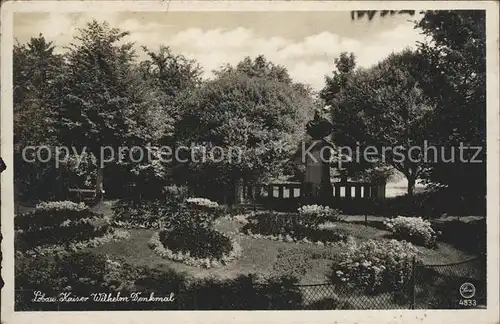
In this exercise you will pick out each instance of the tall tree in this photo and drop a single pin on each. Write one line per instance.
(170, 78)
(452, 72)
(36, 71)
(105, 102)
(381, 111)
(256, 115)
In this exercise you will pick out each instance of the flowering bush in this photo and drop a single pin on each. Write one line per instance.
(412, 229)
(206, 205)
(202, 202)
(376, 266)
(315, 215)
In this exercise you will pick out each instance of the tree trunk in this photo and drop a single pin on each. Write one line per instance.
(99, 183)
(411, 185)
(239, 193)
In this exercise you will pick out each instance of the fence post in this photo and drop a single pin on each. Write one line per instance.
(413, 282)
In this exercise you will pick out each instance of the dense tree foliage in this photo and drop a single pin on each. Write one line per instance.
(254, 113)
(377, 108)
(447, 72)
(37, 69)
(452, 72)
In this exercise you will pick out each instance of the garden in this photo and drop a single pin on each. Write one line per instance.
(164, 226)
(190, 245)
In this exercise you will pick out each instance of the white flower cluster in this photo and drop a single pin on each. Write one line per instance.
(413, 229)
(202, 202)
(375, 263)
(315, 215)
(315, 209)
(185, 257)
(288, 238)
(60, 205)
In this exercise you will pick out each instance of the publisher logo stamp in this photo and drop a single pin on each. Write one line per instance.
(467, 290)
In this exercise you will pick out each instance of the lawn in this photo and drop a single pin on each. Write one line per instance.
(308, 262)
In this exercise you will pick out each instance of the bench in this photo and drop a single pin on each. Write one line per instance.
(86, 194)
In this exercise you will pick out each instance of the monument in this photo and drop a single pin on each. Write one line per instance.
(317, 158)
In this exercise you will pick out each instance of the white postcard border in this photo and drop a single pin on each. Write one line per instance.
(490, 315)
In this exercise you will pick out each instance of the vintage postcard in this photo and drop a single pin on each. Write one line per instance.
(281, 161)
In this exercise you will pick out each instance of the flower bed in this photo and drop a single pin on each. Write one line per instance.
(151, 212)
(412, 229)
(290, 227)
(62, 225)
(114, 235)
(185, 256)
(190, 237)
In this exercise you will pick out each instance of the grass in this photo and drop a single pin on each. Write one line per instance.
(310, 263)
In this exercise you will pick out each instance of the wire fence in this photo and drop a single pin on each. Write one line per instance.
(448, 286)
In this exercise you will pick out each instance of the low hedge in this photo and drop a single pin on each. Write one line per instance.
(84, 273)
(61, 223)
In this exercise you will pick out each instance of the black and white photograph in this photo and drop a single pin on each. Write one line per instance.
(233, 158)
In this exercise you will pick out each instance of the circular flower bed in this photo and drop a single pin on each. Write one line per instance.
(204, 254)
(61, 226)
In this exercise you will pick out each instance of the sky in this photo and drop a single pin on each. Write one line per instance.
(306, 43)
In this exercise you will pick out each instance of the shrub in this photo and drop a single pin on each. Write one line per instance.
(84, 273)
(453, 232)
(375, 266)
(146, 214)
(149, 213)
(202, 202)
(246, 292)
(58, 223)
(412, 229)
(312, 216)
(206, 205)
